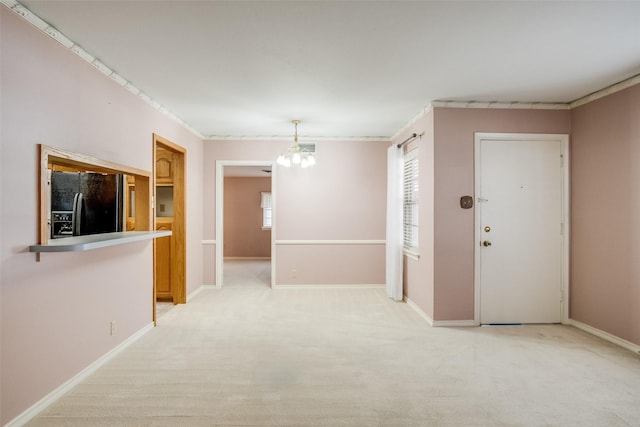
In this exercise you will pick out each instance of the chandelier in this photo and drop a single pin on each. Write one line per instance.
(294, 156)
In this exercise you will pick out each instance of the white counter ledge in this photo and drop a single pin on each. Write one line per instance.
(95, 241)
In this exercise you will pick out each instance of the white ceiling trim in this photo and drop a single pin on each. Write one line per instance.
(502, 105)
(414, 119)
(609, 90)
(55, 34)
(303, 139)
(52, 32)
(617, 87)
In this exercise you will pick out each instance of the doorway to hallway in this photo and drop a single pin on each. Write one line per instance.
(245, 222)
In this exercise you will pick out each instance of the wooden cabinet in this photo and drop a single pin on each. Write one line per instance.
(164, 289)
(164, 167)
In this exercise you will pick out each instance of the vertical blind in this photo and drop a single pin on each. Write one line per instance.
(410, 201)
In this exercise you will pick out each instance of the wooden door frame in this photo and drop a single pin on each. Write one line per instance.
(564, 143)
(220, 165)
(178, 235)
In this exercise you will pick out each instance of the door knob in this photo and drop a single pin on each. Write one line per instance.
(486, 243)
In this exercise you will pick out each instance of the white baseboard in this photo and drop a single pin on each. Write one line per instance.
(606, 336)
(455, 323)
(247, 258)
(439, 323)
(333, 286)
(56, 394)
(200, 289)
(418, 310)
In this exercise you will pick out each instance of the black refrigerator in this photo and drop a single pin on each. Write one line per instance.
(85, 203)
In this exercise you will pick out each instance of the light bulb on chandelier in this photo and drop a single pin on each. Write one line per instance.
(295, 156)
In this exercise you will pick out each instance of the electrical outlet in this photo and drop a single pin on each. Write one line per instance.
(294, 273)
(112, 326)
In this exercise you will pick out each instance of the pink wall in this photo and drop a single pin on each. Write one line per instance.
(55, 314)
(243, 233)
(419, 274)
(329, 264)
(454, 177)
(605, 203)
(341, 198)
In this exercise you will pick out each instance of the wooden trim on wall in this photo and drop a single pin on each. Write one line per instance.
(68, 158)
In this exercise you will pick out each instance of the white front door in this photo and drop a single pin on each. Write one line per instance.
(520, 226)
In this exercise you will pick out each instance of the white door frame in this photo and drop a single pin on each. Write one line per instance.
(564, 143)
(220, 165)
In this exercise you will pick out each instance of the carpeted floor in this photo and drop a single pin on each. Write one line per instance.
(246, 355)
(162, 308)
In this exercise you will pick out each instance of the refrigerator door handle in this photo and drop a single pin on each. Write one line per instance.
(76, 218)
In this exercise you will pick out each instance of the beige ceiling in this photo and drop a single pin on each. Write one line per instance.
(348, 68)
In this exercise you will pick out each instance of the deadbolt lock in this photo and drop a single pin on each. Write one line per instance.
(487, 229)
(486, 243)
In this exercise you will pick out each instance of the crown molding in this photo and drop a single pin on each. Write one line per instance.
(502, 105)
(303, 139)
(52, 32)
(414, 119)
(609, 90)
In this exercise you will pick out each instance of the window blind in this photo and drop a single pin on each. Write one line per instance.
(265, 204)
(410, 201)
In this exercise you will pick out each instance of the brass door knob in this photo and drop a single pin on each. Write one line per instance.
(486, 243)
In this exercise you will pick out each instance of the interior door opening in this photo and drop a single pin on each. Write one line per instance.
(245, 223)
(169, 164)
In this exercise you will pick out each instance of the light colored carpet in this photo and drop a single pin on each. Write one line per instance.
(162, 308)
(252, 356)
(246, 273)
